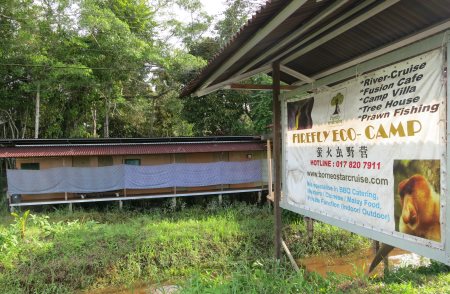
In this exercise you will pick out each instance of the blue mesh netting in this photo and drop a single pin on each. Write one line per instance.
(97, 179)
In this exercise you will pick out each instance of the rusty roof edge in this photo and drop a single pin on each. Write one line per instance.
(128, 141)
(61, 151)
(133, 144)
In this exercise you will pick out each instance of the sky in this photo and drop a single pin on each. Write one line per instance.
(214, 7)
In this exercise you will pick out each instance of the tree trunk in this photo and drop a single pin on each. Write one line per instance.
(94, 122)
(37, 109)
(152, 118)
(106, 127)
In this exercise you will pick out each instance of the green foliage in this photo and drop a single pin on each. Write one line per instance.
(91, 65)
(204, 48)
(236, 15)
(262, 276)
(326, 239)
(231, 112)
(21, 222)
(337, 99)
(110, 68)
(213, 250)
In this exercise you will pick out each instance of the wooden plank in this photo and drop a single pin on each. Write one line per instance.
(156, 196)
(260, 87)
(277, 155)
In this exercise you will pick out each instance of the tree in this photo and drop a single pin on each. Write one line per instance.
(82, 67)
(336, 101)
(204, 48)
(236, 15)
(229, 112)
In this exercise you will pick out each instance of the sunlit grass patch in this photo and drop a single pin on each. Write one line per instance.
(203, 250)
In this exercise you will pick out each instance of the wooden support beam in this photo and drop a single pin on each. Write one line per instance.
(296, 74)
(132, 197)
(262, 33)
(297, 33)
(277, 155)
(421, 42)
(270, 177)
(259, 87)
(235, 79)
(291, 258)
(335, 32)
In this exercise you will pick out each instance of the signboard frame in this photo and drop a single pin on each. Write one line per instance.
(440, 40)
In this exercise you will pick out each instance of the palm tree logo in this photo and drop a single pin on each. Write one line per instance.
(337, 100)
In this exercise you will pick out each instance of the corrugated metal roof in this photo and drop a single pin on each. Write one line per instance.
(402, 19)
(136, 149)
(398, 21)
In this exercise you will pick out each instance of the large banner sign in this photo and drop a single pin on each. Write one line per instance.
(371, 151)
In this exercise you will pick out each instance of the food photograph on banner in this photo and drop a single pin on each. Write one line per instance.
(371, 151)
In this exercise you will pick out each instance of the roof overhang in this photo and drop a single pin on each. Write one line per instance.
(312, 39)
(129, 146)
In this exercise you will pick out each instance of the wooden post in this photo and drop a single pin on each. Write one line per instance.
(11, 208)
(120, 204)
(259, 197)
(70, 207)
(277, 155)
(220, 195)
(376, 248)
(386, 264)
(174, 199)
(174, 202)
(37, 111)
(310, 228)
(269, 167)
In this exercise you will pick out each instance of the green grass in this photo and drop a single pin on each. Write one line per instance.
(203, 249)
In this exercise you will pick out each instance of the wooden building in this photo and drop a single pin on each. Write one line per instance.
(44, 171)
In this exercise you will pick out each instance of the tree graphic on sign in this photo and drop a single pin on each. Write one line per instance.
(336, 101)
